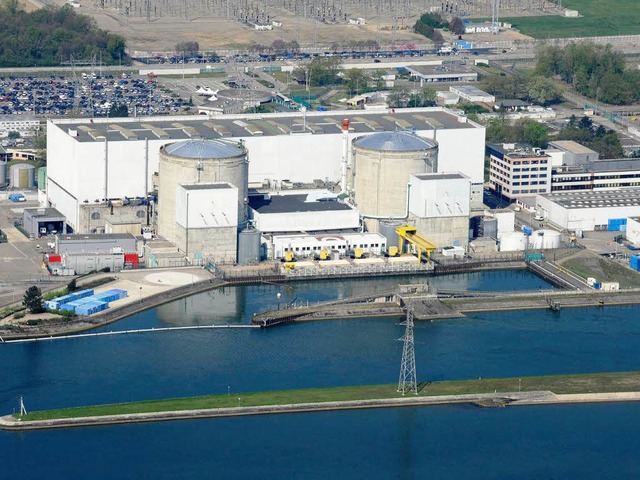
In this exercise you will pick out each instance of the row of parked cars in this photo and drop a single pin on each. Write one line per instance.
(90, 95)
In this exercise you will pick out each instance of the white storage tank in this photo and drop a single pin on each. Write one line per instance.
(22, 175)
(545, 239)
(382, 165)
(513, 242)
(3, 174)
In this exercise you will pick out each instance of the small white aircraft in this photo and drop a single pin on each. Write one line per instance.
(206, 91)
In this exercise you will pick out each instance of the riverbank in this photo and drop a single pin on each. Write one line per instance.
(581, 388)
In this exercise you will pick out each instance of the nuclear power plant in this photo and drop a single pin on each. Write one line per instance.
(239, 189)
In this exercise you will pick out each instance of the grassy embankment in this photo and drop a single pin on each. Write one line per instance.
(598, 18)
(582, 383)
(588, 264)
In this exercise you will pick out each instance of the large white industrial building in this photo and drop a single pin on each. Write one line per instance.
(93, 160)
(590, 210)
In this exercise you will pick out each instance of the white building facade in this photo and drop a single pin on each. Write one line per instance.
(89, 161)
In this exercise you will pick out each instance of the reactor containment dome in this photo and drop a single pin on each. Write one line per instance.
(199, 161)
(382, 165)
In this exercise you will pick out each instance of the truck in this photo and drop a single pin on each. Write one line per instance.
(17, 197)
(445, 50)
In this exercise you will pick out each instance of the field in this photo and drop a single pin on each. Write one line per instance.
(598, 18)
(582, 383)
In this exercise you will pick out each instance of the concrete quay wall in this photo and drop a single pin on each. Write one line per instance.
(498, 399)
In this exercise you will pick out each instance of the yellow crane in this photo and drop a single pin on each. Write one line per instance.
(410, 234)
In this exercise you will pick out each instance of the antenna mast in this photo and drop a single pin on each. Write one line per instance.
(407, 381)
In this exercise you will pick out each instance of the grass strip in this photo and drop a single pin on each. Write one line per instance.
(578, 383)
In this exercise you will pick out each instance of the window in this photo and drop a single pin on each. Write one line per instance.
(141, 214)
(95, 216)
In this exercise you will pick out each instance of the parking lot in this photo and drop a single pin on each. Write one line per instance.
(86, 95)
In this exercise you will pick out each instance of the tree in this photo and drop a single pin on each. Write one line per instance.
(320, 72)
(72, 286)
(189, 48)
(543, 90)
(535, 134)
(456, 26)
(118, 110)
(356, 80)
(116, 48)
(13, 135)
(33, 300)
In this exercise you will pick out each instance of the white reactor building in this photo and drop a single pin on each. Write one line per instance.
(105, 161)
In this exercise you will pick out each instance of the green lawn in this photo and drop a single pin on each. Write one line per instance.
(584, 383)
(598, 18)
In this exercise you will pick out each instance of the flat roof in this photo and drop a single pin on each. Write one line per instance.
(571, 146)
(441, 176)
(205, 186)
(441, 70)
(95, 236)
(294, 203)
(248, 125)
(44, 212)
(628, 197)
(469, 90)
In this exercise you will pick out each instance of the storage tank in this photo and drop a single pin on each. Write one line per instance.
(545, 239)
(3, 174)
(42, 178)
(249, 246)
(382, 165)
(22, 175)
(387, 228)
(199, 161)
(513, 242)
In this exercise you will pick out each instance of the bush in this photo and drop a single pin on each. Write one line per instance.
(19, 315)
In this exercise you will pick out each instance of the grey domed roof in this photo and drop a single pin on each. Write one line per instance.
(204, 149)
(395, 142)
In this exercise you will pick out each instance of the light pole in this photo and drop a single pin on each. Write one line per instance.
(141, 294)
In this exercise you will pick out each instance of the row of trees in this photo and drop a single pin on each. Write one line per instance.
(430, 25)
(525, 86)
(48, 35)
(605, 142)
(596, 71)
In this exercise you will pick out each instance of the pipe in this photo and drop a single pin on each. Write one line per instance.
(385, 217)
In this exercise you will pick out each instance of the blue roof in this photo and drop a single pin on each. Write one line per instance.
(204, 149)
(395, 142)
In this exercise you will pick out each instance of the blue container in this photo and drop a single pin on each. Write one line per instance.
(634, 262)
(597, 285)
(617, 224)
(527, 230)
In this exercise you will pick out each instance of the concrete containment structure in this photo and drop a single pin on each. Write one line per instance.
(382, 165)
(199, 161)
(206, 225)
(439, 207)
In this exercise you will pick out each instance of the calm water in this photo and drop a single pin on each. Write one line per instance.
(585, 441)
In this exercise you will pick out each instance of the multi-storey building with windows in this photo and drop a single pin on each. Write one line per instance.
(517, 170)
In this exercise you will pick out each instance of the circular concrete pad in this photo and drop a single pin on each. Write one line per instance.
(171, 278)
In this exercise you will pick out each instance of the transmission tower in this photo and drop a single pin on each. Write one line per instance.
(407, 382)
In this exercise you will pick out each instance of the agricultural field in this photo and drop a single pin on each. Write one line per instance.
(597, 18)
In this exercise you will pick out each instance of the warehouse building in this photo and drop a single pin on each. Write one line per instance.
(590, 210)
(442, 73)
(43, 221)
(309, 211)
(92, 162)
(472, 94)
(574, 152)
